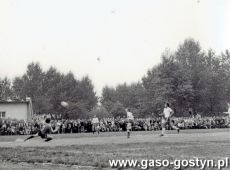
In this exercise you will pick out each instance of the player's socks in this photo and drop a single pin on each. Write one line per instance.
(178, 130)
(30, 137)
(163, 131)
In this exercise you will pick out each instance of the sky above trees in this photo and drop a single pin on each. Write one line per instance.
(189, 78)
(128, 36)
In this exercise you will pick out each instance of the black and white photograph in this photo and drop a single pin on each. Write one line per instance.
(114, 84)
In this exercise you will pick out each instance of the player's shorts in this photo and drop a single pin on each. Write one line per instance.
(165, 120)
(43, 136)
(128, 130)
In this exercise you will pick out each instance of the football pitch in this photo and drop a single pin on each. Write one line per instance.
(92, 151)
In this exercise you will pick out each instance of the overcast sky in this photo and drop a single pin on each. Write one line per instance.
(127, 35)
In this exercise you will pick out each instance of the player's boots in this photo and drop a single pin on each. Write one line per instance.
(48, 139)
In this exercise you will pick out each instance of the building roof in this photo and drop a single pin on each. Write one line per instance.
(12, 102)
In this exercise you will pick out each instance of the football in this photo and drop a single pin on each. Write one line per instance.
(64, 104)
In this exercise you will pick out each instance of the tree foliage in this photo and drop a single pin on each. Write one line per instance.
(189, 79)
(48, 89)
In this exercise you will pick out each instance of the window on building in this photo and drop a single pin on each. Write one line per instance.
(2, 114)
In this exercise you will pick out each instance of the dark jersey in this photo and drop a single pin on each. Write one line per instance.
(45, 130)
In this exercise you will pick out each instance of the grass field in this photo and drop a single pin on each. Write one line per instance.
(88, 151)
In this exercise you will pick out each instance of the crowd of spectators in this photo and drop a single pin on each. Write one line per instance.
(15, 127)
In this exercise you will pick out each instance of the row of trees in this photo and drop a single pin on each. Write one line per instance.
(49, 88)
(188, 78)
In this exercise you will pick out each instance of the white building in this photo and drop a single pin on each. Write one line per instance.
(20, 110)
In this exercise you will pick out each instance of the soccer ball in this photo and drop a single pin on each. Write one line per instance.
(64, 104)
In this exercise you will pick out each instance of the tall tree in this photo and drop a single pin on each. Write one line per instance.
(108, 98)
(31, 85)
(48, 89)
(5, 89)
(168, 82)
